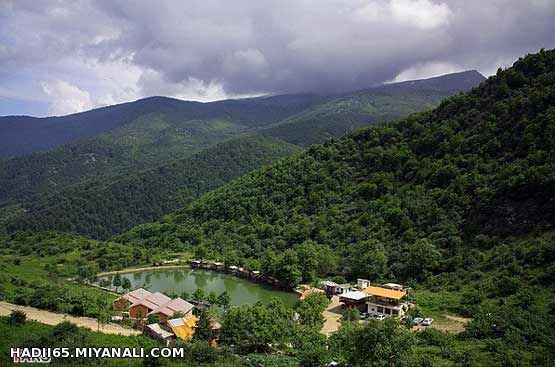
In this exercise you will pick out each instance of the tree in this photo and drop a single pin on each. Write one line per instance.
(374, 343)
(212, 298)
(203, 328)
(315, 259)
(351, 314)
(369, 260)
(252, 328)
(198, 295)
(178, 315)
(17, 318)
(103, 314)
(310, 310)
(153, 318)
(311, 348)
(224, 300)
(116, 282)
(422, 258)
(126, 284)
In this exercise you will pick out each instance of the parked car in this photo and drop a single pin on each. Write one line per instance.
(364, 316)
(380, 317)
(417, 320)
(427, 321)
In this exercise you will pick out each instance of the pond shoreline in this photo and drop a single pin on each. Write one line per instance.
(146, 268)
(210, 266)
(183, 279)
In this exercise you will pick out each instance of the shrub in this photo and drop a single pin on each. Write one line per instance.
(17, 318)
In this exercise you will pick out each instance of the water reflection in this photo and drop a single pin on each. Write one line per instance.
(178, 281)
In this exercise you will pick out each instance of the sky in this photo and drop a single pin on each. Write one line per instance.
(59, 57)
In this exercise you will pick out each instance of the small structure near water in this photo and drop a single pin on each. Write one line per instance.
(252, 275)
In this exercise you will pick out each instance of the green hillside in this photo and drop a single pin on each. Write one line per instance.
(155, 131)
(457, 202)
(344, 114)
(101, 209)
(92, 186)
(23, 135)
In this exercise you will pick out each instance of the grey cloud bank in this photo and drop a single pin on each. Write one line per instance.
(78, 55)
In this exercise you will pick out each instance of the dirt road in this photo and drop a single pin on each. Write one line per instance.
(52, 318)
(332, 315)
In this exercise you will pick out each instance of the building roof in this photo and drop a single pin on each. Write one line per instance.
(328, 283)
(354, 295)
(159, 331)
(173, 306)
(152, 301)
(396, 286)
(184, 328)
(136, 295)
(307, 292)
(384, 292)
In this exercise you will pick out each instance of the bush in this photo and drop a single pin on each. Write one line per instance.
(17, 318)
(202, 352)
(351, 314)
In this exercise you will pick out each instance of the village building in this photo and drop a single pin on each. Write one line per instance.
(160, 333)
(123, 302)
(354, 299)
(305, 292)
(183, 328)
(171, 307)
(332, 288)
(363, 283)
(385, 301)
(142, 307)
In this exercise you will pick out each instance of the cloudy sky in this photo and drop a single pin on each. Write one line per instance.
(59, 57)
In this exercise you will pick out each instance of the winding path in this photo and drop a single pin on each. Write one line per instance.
(52, 318)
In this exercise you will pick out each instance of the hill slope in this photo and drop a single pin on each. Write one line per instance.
(344, 114)
(41, 190)
(467, 175)
(21, 135)
(102, 209)
(458, 201)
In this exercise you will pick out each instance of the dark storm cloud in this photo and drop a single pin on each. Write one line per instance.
(210, 49)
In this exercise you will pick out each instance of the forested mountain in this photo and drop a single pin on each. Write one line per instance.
(48, 190)
(143, 134)
(342, 115)
(102, 209)
(460, 198)
(477, 169)
(20, 135)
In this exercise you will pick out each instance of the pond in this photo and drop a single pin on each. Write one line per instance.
(177, 281)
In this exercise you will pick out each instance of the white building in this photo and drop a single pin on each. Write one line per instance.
(386, 301)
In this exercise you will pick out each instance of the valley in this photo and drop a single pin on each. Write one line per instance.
(448, 211)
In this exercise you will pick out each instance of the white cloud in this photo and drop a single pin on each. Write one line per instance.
(426, 70)
(116, 51)
(66, 98)
(422, 14)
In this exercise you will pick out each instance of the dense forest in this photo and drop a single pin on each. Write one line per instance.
(458, 199)
(101, 209)
(51, 190)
